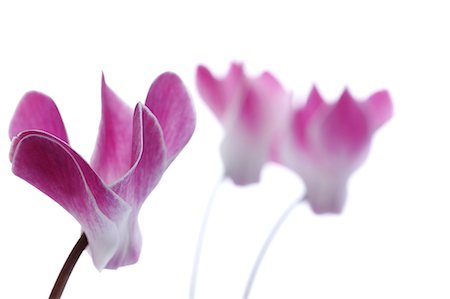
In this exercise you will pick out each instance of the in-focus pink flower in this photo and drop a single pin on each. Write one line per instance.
(252, 112)
(133, 150)
(328, 142)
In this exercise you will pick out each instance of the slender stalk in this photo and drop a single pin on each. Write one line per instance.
(266, 245)
(66, 270)
(201, 237)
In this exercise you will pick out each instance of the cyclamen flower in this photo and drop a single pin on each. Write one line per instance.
(132, 152)
(328, 142)
(252, 112)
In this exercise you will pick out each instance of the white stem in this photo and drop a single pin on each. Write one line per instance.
(201, 237)
(266, 245)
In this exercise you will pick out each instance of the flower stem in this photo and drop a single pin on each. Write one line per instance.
(66, 270)
(266, 245)
(201, 237)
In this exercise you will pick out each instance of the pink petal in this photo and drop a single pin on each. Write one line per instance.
(54, 168)
(251, 112)
(344, 133)
(338, 139)
(302, 118)
(261, 114)
(245, 147)
(314, 102)
(330, 142)
(235, 76)
(270, 84)
(264, 105)
(112, 154)
(379, 108)
(149, 159)
(36, 111)
(210, 90)
(149, 164)
(170, 103)
(220, 94)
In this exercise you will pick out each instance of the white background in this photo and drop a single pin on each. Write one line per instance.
(392, 241)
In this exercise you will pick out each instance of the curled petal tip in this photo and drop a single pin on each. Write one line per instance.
(201, 69)
(37, 111)
(379, 108)
(169, 101)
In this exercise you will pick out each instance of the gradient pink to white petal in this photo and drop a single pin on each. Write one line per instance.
(252, 112)
(328, 142)
(128, 162)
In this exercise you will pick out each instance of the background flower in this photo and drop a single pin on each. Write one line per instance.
(252, 112)
(328, 142)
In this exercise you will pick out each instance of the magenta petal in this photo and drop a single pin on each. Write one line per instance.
(235, 79)
(314, 102)
(251, 113)
(345, 132)
(329, 141)
(247, 145)
(36, 111)
(149, 159)
(379, 108)
(210, 90)
(302, 119)
(263, 103)
(112, 155)
(54, 168)
(148, 153)
(169, 101)
(267, 84)
(220, 94)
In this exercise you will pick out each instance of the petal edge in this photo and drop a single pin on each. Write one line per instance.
(53, 167)
(37, 111)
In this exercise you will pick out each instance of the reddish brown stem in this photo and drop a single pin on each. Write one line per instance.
(66, 270)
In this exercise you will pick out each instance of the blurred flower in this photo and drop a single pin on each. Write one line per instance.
(252, 112)
(328, 142)
(133, 150)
